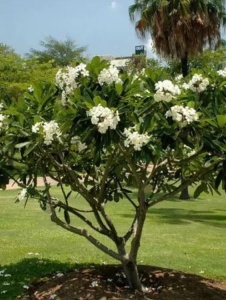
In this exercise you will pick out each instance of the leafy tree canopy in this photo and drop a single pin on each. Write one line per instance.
(63, 53)
(17, 73)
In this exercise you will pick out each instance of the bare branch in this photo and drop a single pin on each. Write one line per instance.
(182, 186)
(89, 237)
(129, 233)
(105, 176)
(80, 216)
(125, 194)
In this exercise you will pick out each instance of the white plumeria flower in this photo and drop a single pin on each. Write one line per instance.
(179, 77)
(187, 151)
(198, 83)
(30, 89)
(3, 125)
(77, 142)
(103, 117)
(109, 76)
(50, 131)
(68, 80)
(166, 91)
(22, 195)
(222, 73)
(182, 115)
(26, 287)
(135, 139)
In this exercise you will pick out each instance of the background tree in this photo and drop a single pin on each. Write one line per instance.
(208, 60)
(17, 73)
(63, 53)
(179, 29)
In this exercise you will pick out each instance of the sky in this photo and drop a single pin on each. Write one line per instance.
(101, 25)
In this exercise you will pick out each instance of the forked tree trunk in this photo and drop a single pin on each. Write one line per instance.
(129, 263)
(132, 275)
(130, 270)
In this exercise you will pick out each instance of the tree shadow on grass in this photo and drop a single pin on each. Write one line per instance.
(185, 216)
(14, 278)
(180, 216)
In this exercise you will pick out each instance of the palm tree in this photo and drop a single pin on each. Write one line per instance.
(179, 28)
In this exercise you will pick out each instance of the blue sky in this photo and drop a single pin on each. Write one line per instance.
(101, 25)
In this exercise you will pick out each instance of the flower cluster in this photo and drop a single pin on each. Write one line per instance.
(179, 77)
(103, 117)
(197, 83)
(165, 91)
(78, 144)
(109, 76)
(2, 119)
(222, 72)
(182, 115)
(68, 80)
(50, 130)
(22, 195)
(135, 139)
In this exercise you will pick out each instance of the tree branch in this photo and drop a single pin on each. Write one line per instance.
(89, 237)
(80, 216)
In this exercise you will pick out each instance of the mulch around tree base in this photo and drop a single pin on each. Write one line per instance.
(107, 282)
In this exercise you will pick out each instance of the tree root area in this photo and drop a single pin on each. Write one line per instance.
(107, 282)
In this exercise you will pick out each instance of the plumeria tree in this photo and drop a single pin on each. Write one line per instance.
(103, 135)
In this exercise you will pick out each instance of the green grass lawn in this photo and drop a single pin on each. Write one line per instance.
(184, 235)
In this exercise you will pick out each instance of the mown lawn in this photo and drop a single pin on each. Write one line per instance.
(183, 235)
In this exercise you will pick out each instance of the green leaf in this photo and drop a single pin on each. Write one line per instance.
(201, 188)
(191, 104)
(67, 217)
(68, 195)
(29, 149)
(97, 100)
(116, 197)
(118, 88)
(21, 145)
(4, 179)
(221, 119)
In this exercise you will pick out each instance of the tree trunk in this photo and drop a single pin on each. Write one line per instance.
(132, 275)
(184, 65)
(130, 269)
(129, 261)
(184, 193)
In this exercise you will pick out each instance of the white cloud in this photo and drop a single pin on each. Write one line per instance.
(114, 5)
